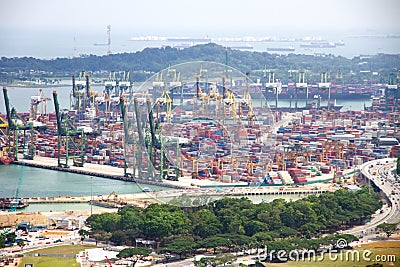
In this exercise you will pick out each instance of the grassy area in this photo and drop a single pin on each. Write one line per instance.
(379, 250)
(50, 262)
(54, 261)
(66, 249)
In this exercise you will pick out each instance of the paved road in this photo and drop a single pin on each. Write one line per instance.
(380, 172)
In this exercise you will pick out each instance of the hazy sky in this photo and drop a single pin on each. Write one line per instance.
(189, 16)
(64, 28)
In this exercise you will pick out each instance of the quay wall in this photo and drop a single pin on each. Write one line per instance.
(98, 174)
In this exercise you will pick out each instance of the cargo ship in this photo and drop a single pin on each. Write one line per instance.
(318, 45)
(281, 49)
(353, 92)
(310, 106)
(242, 47)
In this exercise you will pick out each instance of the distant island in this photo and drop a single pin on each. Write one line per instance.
(145, 63)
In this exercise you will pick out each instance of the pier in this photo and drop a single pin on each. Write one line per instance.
(91, 169)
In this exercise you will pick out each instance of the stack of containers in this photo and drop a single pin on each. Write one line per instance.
(325, 169)
(275, 178)
(297, 175)
(285, 177)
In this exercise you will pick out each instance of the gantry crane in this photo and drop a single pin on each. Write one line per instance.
(82, 96)
(247, 104)
(36, 100)
(71, 141)
(164, 101)
(230, 104)
(272, 86)
(125, 84)
(141, 143)
(4, 144)
(15, 124)
(324, 85)
(111, 83)
(176, 84)
(392, 93)
(301, 85)
(151, 141)
(77, 96)
(131, 147)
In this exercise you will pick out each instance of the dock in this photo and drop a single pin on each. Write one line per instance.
(91, 169)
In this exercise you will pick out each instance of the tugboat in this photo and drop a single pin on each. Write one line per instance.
(8, 203)
(147, 190)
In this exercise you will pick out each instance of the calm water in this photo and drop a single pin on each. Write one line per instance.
(36, 182)
(20, 98)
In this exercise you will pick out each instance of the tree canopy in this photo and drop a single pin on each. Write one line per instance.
(231, 223)
(151, 60)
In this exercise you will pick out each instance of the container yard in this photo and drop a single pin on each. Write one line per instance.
(225, 134)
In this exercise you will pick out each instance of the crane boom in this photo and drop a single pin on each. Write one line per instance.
(57, 108)
(140, 134)
(7, 104)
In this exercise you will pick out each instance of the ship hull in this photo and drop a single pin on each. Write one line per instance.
(303, 96)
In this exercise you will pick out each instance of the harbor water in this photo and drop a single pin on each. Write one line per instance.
(20, 99)
(37, 182)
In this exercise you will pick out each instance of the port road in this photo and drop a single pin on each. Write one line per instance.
(381, 173)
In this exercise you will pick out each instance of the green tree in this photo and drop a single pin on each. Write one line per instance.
(164, 220)
(21, 244)
(101, 235)
(11, 237)
(120, 237)
(214, 242)
(311, 229)
(2, 241)
(83, 233)
(205, 223)
(134, 254)
(262, 237)
(107, 222)
(130, 218)
(252, 227)
(179, 247)
(387, 228)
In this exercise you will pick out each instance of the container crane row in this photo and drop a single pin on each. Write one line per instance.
(16, 123)
(82, 96)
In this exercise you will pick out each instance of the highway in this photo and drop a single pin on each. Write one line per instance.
(380, 173)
